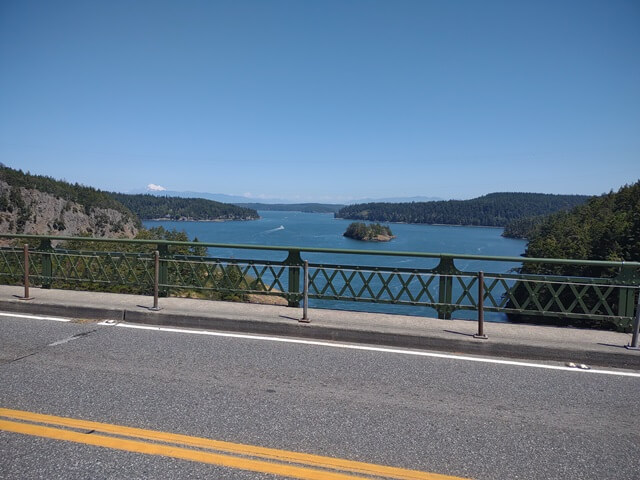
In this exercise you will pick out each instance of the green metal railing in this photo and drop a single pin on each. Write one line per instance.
(129, 266)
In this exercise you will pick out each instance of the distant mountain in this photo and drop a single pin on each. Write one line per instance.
(216, 197)
(396, 200)
(494, 209)
(244, 200)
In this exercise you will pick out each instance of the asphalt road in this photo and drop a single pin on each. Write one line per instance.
(449, 416)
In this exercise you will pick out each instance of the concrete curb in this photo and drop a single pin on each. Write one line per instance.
(512, 341)
(66, 311)
(381, 338)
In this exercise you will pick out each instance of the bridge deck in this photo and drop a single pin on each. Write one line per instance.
(591, 347)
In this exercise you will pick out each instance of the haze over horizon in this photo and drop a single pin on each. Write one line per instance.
(222, 197)
(323, 101)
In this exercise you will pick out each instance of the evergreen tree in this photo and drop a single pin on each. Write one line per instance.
(604, 228)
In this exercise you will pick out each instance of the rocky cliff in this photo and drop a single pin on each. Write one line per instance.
(31, 211)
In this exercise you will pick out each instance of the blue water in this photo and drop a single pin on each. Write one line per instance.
(323, 231)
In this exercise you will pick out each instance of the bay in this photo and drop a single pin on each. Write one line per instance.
(298, 229)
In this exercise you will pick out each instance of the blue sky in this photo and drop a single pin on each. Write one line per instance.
(324, 100)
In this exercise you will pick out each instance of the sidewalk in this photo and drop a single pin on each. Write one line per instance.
(591, 347)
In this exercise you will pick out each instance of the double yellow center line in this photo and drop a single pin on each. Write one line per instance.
(225, 454)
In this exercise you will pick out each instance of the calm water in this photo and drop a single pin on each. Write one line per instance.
(324, 231)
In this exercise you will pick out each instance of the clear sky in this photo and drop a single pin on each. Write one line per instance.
(324, 100)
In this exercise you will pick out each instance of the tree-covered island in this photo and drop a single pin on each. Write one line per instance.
(373, 232)
(492, 210)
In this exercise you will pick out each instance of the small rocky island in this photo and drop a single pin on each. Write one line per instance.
(373, 232)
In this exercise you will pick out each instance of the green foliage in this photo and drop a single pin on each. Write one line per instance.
(133, 260)
(156, 233)
(5, 206)
(371, 232)
(523, 227)
(123, 267)
(24, 211)
(604, 228)
(495, 209)
(176, 208)
(89, 197)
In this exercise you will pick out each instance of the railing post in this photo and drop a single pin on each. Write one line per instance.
(305, 295)
(26, 273)
(156, 280)
(636, 328)
(163, 270)
(294, 262)
(47, 268)
(626, 297)
(445, 270)
(480, 333)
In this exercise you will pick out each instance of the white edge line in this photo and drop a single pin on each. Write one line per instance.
(35, 317)
(377, 349)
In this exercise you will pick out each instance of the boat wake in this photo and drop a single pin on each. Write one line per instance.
(281, 227)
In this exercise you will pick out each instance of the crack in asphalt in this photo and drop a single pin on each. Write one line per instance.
(7, 362)
(40, 349)
(72, 337)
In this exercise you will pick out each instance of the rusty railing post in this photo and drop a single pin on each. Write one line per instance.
(26, 273)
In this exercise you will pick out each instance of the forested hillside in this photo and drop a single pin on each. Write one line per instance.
(89, 197)
(495, 209)
(604, 228)
(36, 204)
(523, 227)
(177, 208)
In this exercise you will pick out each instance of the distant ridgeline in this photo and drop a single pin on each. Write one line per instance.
(373, 232)
(492, 210)
(293, 207)
(150, 207)
(604, 228)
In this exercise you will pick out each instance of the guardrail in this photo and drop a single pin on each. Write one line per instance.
(131, 265)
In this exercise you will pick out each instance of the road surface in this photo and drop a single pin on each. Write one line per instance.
(306, 403)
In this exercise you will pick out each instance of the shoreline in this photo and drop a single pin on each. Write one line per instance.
(220, 220)
(378, 239)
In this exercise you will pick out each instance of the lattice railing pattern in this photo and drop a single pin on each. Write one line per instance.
(226, 275)
(373, 284)
(444, 287)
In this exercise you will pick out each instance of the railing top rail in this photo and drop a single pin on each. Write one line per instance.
(284, 248)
